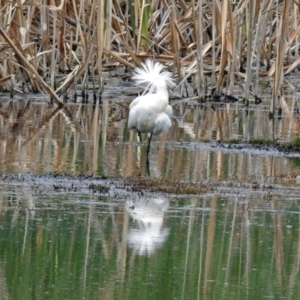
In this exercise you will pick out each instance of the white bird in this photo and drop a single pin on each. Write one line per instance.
(151, 113)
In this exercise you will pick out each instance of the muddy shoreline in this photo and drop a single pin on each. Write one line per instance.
(136, 186)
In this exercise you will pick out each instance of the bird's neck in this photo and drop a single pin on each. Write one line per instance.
(163, 91)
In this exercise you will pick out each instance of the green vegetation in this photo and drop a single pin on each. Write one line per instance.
(295, 142)
(261, 141)
(293, 145)
(147, 184)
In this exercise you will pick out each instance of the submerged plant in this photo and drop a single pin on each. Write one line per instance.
(295, 142)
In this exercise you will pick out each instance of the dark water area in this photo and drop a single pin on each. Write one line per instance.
(60, 239)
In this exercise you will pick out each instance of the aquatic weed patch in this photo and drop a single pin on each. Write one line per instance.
(147, 184)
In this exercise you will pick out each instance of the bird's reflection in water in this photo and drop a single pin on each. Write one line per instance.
(148, 232)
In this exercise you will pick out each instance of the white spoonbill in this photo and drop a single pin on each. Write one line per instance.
(151, 113)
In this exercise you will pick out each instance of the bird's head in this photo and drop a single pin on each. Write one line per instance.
(151, 75)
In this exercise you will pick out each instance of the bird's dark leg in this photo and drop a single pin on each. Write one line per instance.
(148, 150)
(140, 136)
(149, 142)
(148, 168)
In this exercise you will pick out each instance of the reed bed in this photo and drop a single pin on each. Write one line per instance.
(59, 46)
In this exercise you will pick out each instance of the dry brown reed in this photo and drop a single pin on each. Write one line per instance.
(224, 41)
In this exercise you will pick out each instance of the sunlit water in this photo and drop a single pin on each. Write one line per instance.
(237, 243)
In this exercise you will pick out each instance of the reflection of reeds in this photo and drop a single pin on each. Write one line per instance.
(95, 139)
(208, 37)
(218, 247)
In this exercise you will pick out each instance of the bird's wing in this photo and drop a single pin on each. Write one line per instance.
(162, 123)
(169, 110)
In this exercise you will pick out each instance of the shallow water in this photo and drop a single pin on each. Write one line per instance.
(87, 139)
(59, 240)
(73, 246)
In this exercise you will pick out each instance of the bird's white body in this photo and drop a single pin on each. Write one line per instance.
(151, 113)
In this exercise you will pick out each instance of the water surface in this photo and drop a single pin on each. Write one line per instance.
(72, 246)
(61, 240)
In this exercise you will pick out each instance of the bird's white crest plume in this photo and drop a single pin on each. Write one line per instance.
(152, 76)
